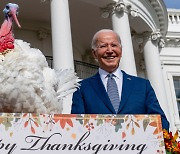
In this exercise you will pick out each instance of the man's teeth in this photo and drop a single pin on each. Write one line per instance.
(110, 57)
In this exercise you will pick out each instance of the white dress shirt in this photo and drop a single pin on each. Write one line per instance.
(118, 76)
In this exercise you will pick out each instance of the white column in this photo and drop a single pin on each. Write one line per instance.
(120, 23)
(61, 35)
(62, 41)
(154, 72)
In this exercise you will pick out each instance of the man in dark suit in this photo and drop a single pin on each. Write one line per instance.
(131, 95)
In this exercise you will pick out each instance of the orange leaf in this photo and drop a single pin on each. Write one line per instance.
(156, 131)
(132, 131)
(154, 124)
(93, 115)
(25, 115)
(70, 122)
(139, 117)
(175, 136)
(123, 134)
(70, 115)
(32, 130)
(56, 118)
(36, 124)
(127, 126)
(137, 124)
(26, 124)
(1, 120)
(86, 121)
(126, 118)
(34, 115)
(62, 123)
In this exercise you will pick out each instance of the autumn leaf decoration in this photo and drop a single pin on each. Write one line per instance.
(85, 120)
(48, 122)
(131, 123)
(154, 122)
(64, 119)
(32, 120)
(6, 120)
(158, 127)
(171, 143)
(116, 121)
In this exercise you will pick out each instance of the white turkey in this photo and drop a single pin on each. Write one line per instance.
(27, 84)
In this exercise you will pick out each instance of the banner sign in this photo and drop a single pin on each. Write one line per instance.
(26, 133)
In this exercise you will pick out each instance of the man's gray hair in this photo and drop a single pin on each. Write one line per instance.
(94, 40)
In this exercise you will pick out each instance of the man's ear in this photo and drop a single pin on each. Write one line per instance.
(94, 54)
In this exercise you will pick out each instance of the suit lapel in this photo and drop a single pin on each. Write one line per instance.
(101, 92)
(127, 87)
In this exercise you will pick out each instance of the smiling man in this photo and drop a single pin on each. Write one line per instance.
(111, 90)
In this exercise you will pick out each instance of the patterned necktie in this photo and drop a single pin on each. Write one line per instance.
(112, 91)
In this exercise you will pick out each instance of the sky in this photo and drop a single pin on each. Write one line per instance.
(175, 4)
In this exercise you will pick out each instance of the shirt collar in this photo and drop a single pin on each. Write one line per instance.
(117, 73)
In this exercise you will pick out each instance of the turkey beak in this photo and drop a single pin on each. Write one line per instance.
(13, 12)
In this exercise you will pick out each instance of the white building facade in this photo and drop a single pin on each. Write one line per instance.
(150, 35)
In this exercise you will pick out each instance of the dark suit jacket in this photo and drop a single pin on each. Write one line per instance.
(138, 97)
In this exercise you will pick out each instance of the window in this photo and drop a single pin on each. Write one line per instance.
(176, 80)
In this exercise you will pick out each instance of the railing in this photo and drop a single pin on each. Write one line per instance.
(82, 69)
(50, 61)
(174, 16)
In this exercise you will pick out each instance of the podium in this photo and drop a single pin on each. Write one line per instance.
(26, 133)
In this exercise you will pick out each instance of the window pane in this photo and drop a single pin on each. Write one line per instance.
(176, 80)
